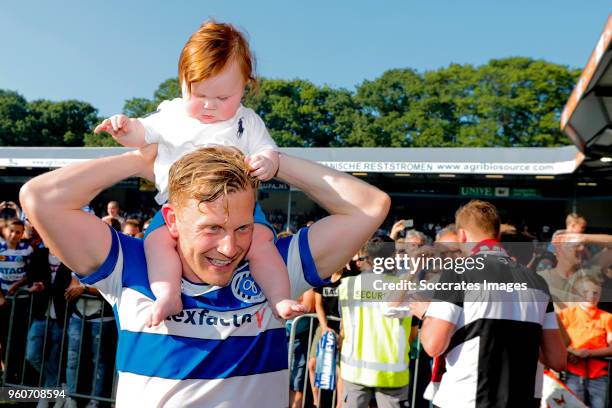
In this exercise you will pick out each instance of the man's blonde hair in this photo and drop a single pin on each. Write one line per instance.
(478, 216)
(209, 173)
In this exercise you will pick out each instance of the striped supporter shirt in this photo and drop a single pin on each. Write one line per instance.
(13, 263)
(225, 349)
(492, 357)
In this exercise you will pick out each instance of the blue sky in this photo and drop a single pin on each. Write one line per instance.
(105, 52)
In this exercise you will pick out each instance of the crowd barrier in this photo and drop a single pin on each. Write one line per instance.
(76, 353)
(312, 322)
(96, 346)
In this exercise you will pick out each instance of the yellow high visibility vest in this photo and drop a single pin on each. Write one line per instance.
(375, 350)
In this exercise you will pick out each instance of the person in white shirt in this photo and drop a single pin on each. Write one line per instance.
(215, 67)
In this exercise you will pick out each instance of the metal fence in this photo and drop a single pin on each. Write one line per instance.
(312, 324)
(76, 353)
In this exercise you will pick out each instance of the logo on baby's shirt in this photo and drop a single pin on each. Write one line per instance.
(240, 129)
(244, 288)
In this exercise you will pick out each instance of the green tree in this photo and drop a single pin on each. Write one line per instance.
(139, 107)
(13, 111)
(387, 115)
(298, 113)
(63, 123)
(43, 122)
(507, 102)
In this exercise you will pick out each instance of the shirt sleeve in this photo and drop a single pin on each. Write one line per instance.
(258, 137)
(303, 273)
(108, 278)
(156, 123)
(447, 304)
(550, 318)
(609, 324)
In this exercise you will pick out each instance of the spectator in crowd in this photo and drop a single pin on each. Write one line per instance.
(146, 224)
(49, 279)
(415, 238)
(375, 348)
(397, 230)
(113, 222)
(590, 333)
(326, 305)
(173, 364)
(15, 252)
(300, 352)
(486, 365)
(575, 223)
(92, 336)
(447, 234)
(9, 210)
(562, 277)
(131, 227)
(447, 245)
(113, 209)
(543, 261)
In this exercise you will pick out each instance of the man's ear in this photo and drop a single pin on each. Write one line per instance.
(462, 235)
(170, 218)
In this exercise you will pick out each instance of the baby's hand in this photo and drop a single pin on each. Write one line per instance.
(118, 126)
(288, 309)
(263, 165)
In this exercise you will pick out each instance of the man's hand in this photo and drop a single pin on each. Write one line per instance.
(397, 227)
(146, 155)
(73, 292)
(418, 306)
(582, 353)
(127, 132)
(36, 287)
(3, 302)
(263, 166)
(12, 289)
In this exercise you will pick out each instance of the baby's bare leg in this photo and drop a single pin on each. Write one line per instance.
(271, 274)
(164, 269)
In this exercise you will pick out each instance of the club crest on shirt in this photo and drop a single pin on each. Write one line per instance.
(244, 288)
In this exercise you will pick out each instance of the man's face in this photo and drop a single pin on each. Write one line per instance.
(12, 234)
(363, 262)
(576, 227)
(131, 230)
(212, 237)
(112, 209)
(448, 245)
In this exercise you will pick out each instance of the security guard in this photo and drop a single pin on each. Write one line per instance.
(375, 349)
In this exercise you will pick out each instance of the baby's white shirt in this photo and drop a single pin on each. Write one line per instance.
(177, 134)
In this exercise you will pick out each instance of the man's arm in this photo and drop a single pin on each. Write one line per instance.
(53, 202)
(356, 210)
(436, 335)
(16, 285)
(552, 351)
(320, 312)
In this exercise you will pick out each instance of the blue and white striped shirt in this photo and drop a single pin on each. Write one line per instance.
(225, 349)
(13, 263)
